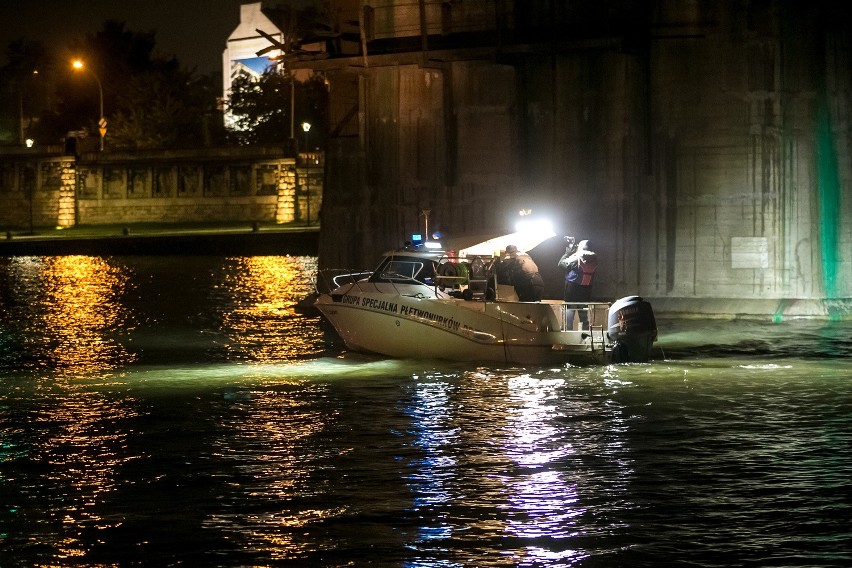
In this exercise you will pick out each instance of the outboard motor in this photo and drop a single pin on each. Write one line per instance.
(632, 329)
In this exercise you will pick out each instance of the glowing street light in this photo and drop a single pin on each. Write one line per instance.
(306, 126)
(77, 65)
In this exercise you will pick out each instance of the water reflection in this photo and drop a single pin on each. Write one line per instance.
(69, 311)
(189, 457)
(535, 470)
(257, 296)
(271, 445)
(543, 500)
(436, 471)
(73, 445)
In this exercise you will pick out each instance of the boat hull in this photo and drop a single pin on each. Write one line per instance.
(407, 326)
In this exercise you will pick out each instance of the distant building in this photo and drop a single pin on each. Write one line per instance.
(289, 33)
(240, 55)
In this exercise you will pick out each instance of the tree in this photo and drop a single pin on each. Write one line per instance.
(261, 107)
(24, 94)
(158, 110)
(149, 101)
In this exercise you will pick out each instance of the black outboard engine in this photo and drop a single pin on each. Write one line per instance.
(632, 329)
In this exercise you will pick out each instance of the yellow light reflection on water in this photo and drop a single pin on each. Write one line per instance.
(82, 451)
(75, 310)
(79, 311)
(262, 293)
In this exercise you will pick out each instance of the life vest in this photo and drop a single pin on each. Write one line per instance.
(580, 272)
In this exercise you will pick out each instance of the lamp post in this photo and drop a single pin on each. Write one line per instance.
(77, 64)
(292, 107)
(306, 126)
(21, 140)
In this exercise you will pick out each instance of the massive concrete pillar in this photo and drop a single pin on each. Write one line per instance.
(706, 151)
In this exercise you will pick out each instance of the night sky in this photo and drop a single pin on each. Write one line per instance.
(193, 30)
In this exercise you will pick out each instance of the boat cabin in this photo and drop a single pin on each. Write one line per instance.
(469, 277)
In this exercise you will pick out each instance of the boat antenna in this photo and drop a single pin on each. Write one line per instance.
(425, 213)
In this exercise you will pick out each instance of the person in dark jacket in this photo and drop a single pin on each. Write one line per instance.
(519, 270)
(580, 262)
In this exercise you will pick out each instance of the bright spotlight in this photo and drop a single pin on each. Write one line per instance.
(534, 226)
(534, 231)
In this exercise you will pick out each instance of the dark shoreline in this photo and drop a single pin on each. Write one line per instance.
(296, 243)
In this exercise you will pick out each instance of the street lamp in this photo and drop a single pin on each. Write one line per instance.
(21, 139)
(306, 126)
(77, 64)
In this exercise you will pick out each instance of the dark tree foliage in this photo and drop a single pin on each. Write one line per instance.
(24, 88)
(261, 108)
(23, 58)
(158, 109)
(149, 101)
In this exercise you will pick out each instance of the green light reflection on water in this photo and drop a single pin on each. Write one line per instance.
(212, 376)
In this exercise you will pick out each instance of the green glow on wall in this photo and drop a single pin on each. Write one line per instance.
(828, 193)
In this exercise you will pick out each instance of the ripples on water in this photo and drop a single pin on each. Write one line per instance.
(179, 411)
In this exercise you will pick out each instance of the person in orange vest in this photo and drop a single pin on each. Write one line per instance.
(580, 261)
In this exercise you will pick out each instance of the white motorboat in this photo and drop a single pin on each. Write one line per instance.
(425, 302)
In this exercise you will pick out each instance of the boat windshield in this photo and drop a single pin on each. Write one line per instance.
(405, 269)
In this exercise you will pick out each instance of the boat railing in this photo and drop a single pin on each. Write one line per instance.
(329, 279)
(596, 314)
(397, 279)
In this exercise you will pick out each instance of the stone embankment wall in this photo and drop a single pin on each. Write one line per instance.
(37, 191)
(50, 189)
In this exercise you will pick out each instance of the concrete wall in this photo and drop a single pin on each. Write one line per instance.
(706, 152)
(750, 155)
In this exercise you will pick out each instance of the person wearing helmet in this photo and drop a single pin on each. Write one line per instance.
(580, 262)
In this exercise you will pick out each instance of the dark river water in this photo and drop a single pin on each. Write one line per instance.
(177, 411)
